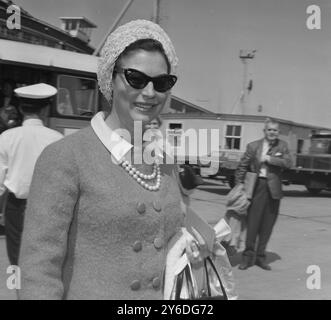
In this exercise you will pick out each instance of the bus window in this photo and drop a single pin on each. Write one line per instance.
(76, 96)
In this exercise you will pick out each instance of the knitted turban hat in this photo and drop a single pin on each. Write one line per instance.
(122, 37)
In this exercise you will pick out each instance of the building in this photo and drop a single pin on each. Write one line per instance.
(178, 105)
(228, 131)
(74, 35)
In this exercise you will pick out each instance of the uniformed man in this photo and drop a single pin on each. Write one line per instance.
(19, 149)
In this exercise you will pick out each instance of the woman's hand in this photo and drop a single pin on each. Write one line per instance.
(196, 247)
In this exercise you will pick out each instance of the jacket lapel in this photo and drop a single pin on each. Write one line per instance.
(258, 154)
(274, 148)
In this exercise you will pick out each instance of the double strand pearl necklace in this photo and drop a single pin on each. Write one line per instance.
(141, 177)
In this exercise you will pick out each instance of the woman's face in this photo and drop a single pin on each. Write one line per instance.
(139, 104)
(154, 124)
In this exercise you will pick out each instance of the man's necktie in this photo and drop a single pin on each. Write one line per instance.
(270, 148)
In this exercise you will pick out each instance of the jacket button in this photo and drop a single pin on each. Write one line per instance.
(137, 246)
(135, 285)
(141, 208)
(156, 283)
(158, 243)
(157, 206)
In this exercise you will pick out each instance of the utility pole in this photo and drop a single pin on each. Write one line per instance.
(112, 28)
(156, 11)
(245, 56)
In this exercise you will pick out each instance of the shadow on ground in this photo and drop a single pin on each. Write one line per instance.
(306, 194)
(224, 189)
(271, 257)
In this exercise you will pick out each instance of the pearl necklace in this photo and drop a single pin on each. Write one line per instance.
(140, 177)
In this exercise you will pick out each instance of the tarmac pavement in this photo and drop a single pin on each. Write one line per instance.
(298, 250)
(301, 240)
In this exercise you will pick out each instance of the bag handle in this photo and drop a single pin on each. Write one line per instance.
(189, 280)
(208, 259)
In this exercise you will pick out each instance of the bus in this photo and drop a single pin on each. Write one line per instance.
(72, 73)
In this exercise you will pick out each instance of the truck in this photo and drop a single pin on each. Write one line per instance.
(311, 169)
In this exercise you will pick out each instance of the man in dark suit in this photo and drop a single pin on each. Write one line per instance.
(266, 157)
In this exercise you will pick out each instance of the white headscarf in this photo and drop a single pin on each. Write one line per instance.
(122, 37)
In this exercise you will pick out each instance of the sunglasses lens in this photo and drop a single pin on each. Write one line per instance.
(139, 80)
(164, 83)
(136, 79)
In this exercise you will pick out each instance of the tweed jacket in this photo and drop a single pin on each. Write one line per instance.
(280, 158)
(91, 231)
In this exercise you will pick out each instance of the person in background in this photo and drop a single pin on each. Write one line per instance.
(9, 113)
(158, 143)
(154, 124)
(19, 149)
(235, 215)
(154, 140)
(266, 157)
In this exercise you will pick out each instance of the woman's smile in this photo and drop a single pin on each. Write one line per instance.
(144, 107)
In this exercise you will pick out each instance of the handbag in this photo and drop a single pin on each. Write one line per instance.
(188, 178)
(249, 184)
(186, 288)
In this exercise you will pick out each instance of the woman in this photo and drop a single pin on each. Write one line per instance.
(99, 221)
(154, 124)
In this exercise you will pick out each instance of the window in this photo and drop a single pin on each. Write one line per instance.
(319, 146)
(232, 137)
(300, 143)
(76, 96)
(174, 134)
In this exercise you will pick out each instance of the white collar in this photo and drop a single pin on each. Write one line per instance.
(116, 145)
(32, 122)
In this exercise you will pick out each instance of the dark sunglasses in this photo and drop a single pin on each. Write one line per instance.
(139, 80)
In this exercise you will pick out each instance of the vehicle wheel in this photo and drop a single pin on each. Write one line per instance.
(314, 191)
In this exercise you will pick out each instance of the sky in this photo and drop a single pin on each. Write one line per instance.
(291, 69)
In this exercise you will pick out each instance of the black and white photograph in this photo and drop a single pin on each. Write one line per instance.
(165, 150)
